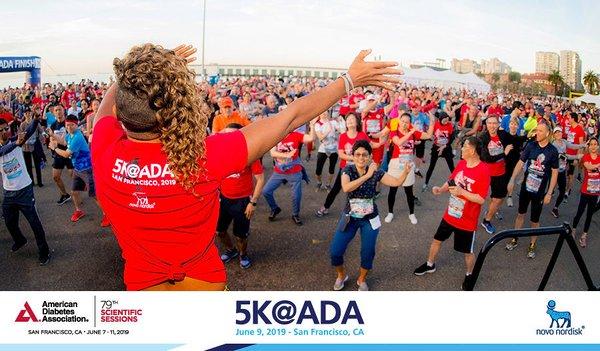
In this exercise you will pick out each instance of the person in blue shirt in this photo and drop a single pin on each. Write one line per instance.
(505, 121)
(79, 153)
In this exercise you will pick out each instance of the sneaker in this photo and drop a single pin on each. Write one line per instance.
(424, 268)
(324, 187)
(554, 212)
(418, 173)
(245, 262)
(388, 218)
(63, 199)
(417, 201)
(319, 186)
(105, 222)
(229, 255)
(499, 215)
(566, 200)
(44, 259)
(297, 220)
(77, 215)
(412, 218)
(17, 246)
(362, 286)
(512, 244)
(40, 185)
(467, 282)
(531, 251)
(583, 240)
(42, 164)
(509, 202)
(274, 214)
(488, 226)
(322, 212)
(424, 188)
(339, 283)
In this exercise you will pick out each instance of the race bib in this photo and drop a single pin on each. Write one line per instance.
(12, 168)
(375, 223)
(495, 149)
(593, 185)
(456, 206)
(373, 126)
(360, 208)
(442, 141)
(533, 183)
(402, 159)
(562, 163)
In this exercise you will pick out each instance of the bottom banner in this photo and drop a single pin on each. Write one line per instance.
(299, 321)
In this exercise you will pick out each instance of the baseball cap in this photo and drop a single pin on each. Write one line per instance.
(371, 97)
(226, 102)
(71, 119)
(557, 129)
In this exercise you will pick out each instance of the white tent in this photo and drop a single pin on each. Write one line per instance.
(588, 99)
(444, 79)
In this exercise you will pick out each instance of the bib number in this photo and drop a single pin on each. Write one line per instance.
(456, 206)
(360, 208)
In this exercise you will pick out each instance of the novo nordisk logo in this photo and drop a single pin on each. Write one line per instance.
(560, 322)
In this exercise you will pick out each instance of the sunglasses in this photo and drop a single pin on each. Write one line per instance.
(5, 129)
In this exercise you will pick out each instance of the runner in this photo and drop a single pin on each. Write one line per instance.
(561, 146)
(18, 191)
(421, 122)
(540, 160)
(373, 124)
(288, 168)
(158, 178)
(404, 151)
(238, 202)
(32, 158)
(78, 151)
(590, 190)
(468, 186)
(227, 116)
(58, 131)
(359, 180)
(347, 140)
(443, 135)
(517, 141)
(328, 132)
(495, 147)
(574, 134)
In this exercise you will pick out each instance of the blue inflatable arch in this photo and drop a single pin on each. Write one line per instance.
(30, 64)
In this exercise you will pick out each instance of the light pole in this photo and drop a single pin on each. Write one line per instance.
(203, 36)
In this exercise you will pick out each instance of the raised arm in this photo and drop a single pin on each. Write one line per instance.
(261, 136)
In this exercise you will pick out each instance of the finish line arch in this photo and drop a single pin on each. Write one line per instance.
(32, 65)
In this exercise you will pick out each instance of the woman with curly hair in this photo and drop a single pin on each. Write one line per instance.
(158, 173)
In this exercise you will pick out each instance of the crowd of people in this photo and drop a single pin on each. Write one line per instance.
(382, 136)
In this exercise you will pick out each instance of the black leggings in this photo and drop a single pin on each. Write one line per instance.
(589, 201)
(446, 154)
(561, 181)
(335, 190)
(410, 198)
(321, 158)
(32, 159)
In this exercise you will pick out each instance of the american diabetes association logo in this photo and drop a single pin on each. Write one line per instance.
(51, 312)
(560, 322)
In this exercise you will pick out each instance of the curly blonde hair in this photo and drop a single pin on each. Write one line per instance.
(157, 95)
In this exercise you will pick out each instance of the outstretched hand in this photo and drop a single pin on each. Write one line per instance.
(377, 73)
(186, 52)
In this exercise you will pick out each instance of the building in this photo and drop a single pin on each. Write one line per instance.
(494, 65)
(465, 66)
(266, 70)
(570, 68)
(529, 79)
(546, 62)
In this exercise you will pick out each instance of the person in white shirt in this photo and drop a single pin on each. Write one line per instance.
(18, 190)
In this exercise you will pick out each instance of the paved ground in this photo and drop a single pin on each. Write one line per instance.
(287, 257)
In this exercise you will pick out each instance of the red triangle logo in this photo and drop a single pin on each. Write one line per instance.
(26, 315)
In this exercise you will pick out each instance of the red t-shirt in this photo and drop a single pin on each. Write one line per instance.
(346, 143)
(344, 105)
(463, 113)
(165, 232)
(37, 100)
(572, 135)
(495, 110)
(496, 148)
(442, 133)
(462, 213)
(240, 185)
(373, 123)
(7, 116)
(67, 97)
(591, 179)
(408, 148)
(291, 142)
(354, 99)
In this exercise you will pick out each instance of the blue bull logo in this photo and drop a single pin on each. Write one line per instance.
(557, 316)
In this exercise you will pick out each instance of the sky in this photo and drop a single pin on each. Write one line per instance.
(83, 37)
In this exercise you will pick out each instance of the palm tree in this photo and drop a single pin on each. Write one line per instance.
(556, 79)
(591, 81)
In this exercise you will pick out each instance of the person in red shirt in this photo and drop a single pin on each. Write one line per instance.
(6, 115)
(345, 143)
(288, 169)
(158, 173)
(355, 98)
(238, 201)
(590, 190)
(468, 186)
(373, 124)
(574, 134)
(443, 132)
(68, 96)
